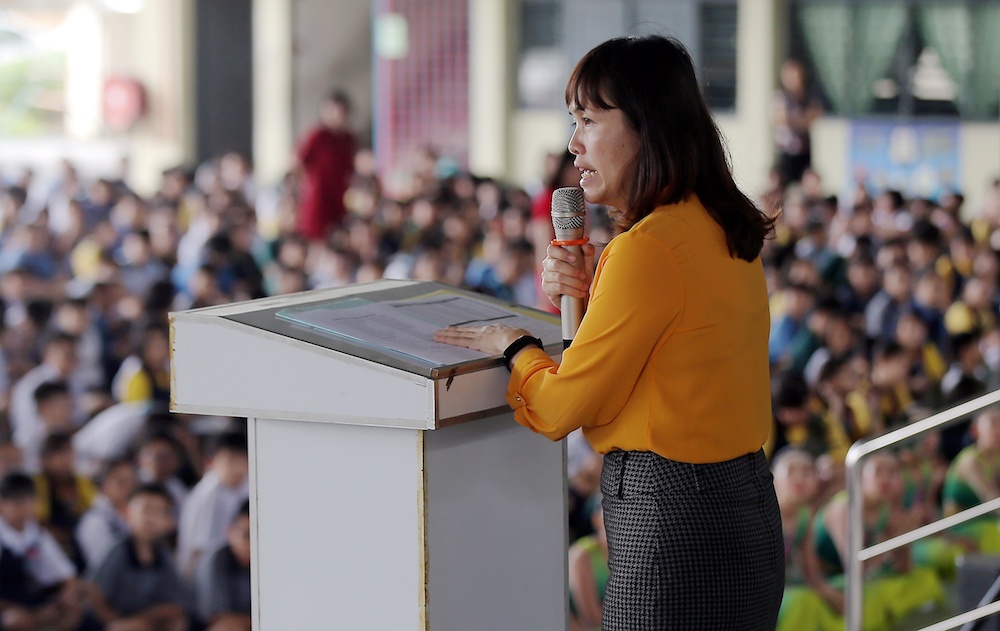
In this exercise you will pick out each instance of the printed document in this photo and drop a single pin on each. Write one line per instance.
(408, 326)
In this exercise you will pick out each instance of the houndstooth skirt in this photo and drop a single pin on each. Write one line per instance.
(691, 546)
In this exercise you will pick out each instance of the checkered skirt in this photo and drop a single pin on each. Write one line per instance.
(691, 546)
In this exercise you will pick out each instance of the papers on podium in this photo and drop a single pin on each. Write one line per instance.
(407, 326)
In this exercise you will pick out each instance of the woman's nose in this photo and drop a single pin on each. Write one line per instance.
(574, 145)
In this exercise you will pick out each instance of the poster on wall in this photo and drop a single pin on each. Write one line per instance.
(917, 159)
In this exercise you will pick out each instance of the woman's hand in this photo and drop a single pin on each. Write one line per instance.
(561, 275)
(492, 338)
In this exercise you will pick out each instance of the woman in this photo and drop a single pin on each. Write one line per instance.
(668, 374)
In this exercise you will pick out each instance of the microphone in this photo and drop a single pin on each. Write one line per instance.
(568, 214)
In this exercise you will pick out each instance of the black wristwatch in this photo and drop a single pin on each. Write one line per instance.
(517, 345)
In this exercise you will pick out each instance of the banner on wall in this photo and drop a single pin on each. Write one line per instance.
(917, 159)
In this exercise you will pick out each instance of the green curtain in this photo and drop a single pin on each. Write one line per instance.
(878, 30)
(984, 82)
(827, 30)
(948, 29)
(852, 47)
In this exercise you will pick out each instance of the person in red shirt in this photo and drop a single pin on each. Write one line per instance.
(325, 163)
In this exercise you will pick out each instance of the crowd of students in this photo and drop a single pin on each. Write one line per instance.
(884, 309)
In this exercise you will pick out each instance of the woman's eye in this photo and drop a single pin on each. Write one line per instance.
(587, 121)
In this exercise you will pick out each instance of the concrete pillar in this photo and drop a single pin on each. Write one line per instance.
(156, 47)
(272, 89)
(492, 33)
(748, 130)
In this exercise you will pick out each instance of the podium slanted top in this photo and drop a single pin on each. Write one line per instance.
(356, 354)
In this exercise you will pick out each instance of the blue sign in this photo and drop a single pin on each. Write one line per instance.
(917, 159)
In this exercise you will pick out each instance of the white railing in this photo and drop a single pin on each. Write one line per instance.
(857, 554)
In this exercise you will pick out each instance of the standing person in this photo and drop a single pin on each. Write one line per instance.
(795, 109)
(326, 163)
(668, 374)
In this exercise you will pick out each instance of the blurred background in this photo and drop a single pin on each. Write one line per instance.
(159, 155)
(909, 87)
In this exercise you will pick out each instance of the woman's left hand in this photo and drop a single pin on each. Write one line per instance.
(492, 338)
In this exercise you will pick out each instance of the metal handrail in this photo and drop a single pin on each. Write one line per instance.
(857, 554)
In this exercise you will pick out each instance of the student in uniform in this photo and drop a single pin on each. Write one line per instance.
(588, 571)
(213, 502)
(893, 587)
(38, 585)
(136, 587)
(222, 582)
(809, 603)
(972, 478)
(104, 524)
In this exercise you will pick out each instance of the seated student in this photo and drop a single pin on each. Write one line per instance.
(214, 501)
(588, 571)
(38, 586)
(924, 472)
(145, 376)
(11, 458)
(104, 524)
(927, 365)
(136, 587)
(63, 496)
(809, 603)
(894, 400)
(222, 582)
(795, 424)
(892, 588)
(54, 410)
(159, 461)
(847, 412)
(974, 477)
(965, 379)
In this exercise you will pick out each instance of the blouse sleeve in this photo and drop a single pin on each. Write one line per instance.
(636, 302)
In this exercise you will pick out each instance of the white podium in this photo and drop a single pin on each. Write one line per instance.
(386, 495)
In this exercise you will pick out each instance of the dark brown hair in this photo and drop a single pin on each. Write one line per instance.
(651, 80)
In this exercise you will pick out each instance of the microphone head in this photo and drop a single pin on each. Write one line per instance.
(568, 212)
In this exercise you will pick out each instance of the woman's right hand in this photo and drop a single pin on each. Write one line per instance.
(562, 274)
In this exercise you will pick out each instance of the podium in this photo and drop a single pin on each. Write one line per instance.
(385, 494)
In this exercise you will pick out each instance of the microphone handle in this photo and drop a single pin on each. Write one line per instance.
(571, 308)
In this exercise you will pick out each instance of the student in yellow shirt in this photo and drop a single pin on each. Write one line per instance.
(668, 374)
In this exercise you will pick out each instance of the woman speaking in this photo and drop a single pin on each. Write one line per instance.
(668, 374)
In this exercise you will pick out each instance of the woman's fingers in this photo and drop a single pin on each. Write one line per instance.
(457, 335)
(560, 277)
(492, 338)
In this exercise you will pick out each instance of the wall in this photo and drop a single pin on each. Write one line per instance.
(747, 130)
(979, 157)
(156, 47)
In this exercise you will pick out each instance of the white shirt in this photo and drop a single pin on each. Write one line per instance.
(209, 509)
(99, 530)
(23, 411)
(46, 561)
(109, 435)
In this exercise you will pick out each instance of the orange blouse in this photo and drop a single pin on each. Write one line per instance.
(671, 356)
